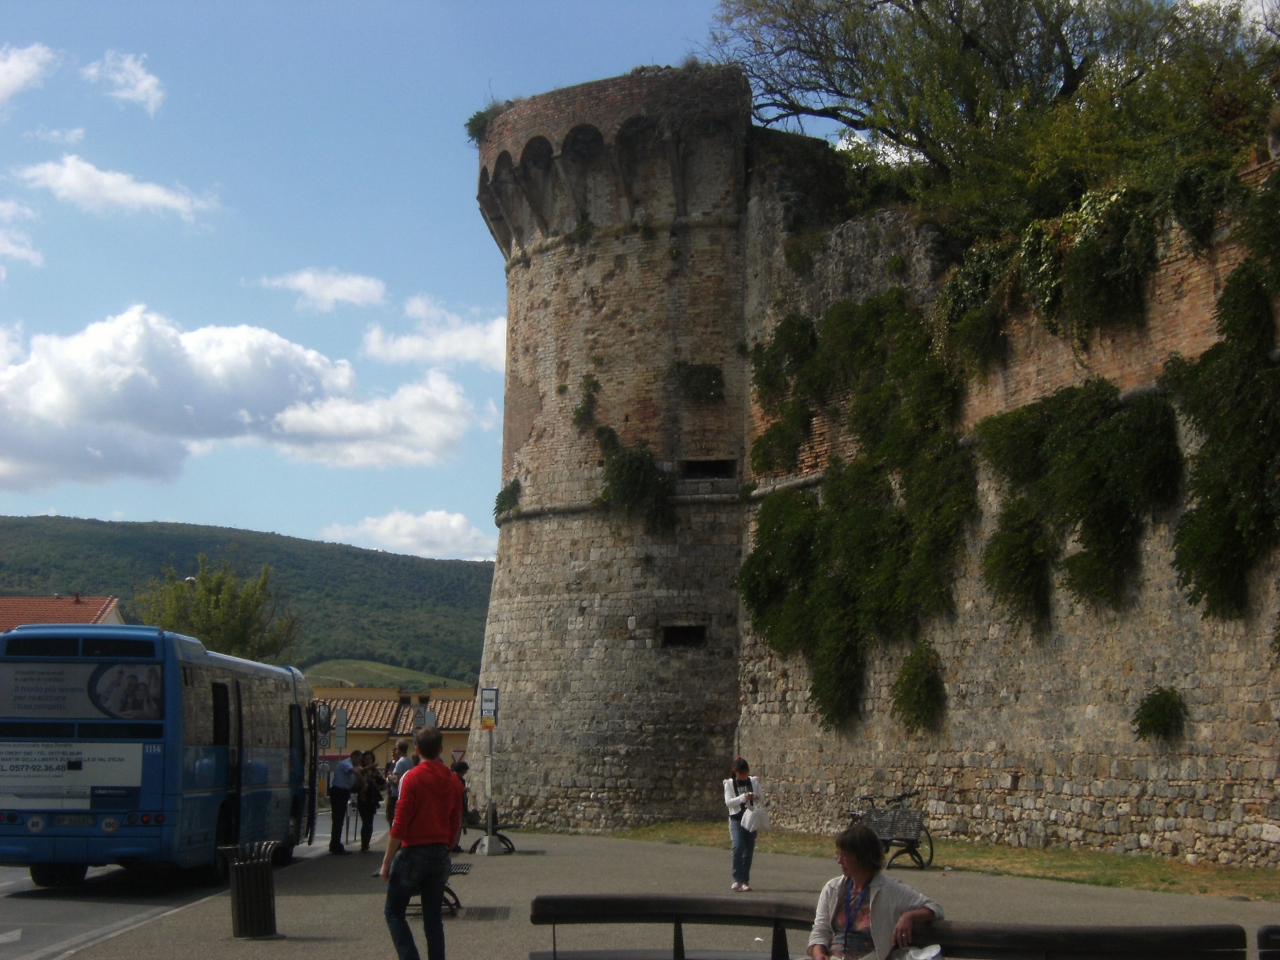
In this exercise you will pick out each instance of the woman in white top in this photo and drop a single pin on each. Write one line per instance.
(863, 913)
(741, 792)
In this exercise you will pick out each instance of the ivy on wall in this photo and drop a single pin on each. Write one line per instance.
(875, 554)
(1230, 395)
(919, 693)
(634, 484)
(1162, 715)
(1081, 464)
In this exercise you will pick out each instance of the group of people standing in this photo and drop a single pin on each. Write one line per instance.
(356, 775)
(425, 801)
(862, 913)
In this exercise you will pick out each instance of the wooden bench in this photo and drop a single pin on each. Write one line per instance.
(959, 939)
(1014, 941)
(675, 910)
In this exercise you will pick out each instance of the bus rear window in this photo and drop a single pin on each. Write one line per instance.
(43, 647)
(121, 731)
(45, 731)
(106, 647)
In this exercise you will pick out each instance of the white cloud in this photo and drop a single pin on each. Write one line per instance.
(431, 534)
(70, 135)
(135, 395)
(22, 68)
(444, 338)
(323, 289)
(130, 82)
(14, 244)
(77, 181)
(415, 426)
(12, 210)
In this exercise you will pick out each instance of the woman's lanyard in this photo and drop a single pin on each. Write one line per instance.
(851, 910)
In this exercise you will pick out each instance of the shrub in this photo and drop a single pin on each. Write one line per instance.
(477, 124)
(508, 498)
(1162, 715)
(1017, 563)
(919, 694)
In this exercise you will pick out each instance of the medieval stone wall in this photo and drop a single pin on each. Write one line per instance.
(643, 223)
(1037, 746)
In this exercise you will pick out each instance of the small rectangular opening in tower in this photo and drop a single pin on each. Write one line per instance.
(684, 636)
(708, 469)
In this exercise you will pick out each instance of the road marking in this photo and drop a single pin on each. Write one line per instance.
(72, 945)
(13, 936)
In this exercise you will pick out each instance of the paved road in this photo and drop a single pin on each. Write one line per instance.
(330, 908)
(44, 924)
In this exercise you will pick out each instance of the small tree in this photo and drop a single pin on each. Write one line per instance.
(244, 618)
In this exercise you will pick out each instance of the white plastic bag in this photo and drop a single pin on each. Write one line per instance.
(756, 818)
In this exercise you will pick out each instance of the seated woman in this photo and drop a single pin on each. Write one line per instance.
(863, 913)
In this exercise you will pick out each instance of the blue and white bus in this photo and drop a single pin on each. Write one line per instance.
(134, 746)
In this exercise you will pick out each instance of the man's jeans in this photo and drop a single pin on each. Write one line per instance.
(424, 870)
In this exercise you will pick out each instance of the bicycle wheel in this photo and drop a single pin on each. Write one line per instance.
(903, 852)
(506, 842)
(926, 847)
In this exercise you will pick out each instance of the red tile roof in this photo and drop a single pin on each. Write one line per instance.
(367, 714)
(397, 720)
(450, 715)
(15, 611)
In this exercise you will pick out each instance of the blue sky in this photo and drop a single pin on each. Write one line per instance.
(244, 280)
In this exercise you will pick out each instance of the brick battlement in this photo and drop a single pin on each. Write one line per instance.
(672, 94)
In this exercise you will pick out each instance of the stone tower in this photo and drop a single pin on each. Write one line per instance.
(619, 207)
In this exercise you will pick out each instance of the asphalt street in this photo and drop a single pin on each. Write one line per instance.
(330, 908)
(47, 923)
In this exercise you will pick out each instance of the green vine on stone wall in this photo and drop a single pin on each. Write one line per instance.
(1230, 395)
(1081, 464)
(584, 414)
(1162, 715)
(875, 555)
(919, 693)
(634, 484)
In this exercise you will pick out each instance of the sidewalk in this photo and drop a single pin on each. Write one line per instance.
(330, 908)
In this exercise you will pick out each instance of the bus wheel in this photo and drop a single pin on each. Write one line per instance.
(58, 874)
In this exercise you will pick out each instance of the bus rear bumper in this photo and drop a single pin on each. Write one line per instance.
(95, 851)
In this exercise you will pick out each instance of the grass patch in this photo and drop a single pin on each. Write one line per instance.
(366, 673)
(1094, 869)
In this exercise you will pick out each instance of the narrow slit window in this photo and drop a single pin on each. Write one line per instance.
(684, 636)
(709, 469)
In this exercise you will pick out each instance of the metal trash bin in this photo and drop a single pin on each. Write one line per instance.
(253, 888)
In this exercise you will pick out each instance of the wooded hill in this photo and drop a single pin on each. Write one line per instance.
(422, 614)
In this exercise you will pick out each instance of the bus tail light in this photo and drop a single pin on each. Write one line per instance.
(132, 818)
(159, 818)
(146, 818)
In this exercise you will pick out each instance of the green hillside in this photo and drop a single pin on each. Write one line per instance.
(426, 615)
(366, 673)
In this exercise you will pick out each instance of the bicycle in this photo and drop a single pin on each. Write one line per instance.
(896, 825)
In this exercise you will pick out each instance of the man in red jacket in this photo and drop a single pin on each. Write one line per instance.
(428, 817)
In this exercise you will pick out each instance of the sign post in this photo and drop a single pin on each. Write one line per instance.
(340, 728)
(489, 845)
